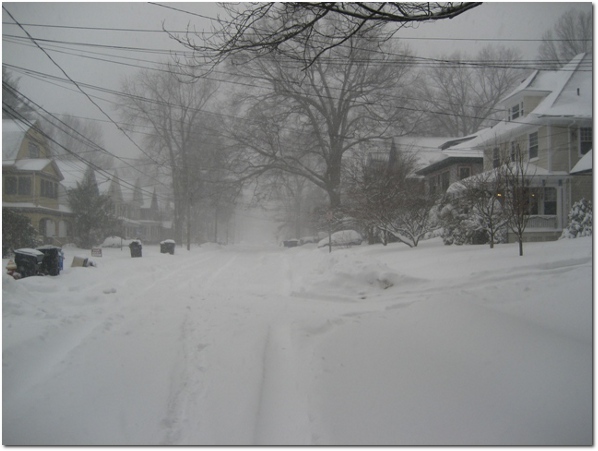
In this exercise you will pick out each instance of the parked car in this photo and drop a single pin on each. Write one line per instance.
(343, 238)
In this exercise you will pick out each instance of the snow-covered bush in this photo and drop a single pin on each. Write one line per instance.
(462, 223)
(580, 220)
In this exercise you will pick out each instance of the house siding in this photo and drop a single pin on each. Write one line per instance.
(581, 187)
(531, 102)
(560, 150)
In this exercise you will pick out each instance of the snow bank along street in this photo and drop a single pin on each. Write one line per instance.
(238, 345)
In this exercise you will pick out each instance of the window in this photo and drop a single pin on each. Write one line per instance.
(515, 111)
(444, 180)
(495, 157)
(10, 185)
(24, 186)
(464, 172)
(550, 201)
(533, 196)
(33, 150)
(433, 185)
(533, 145)
(49, 189)
(542, 201)
(585, 140)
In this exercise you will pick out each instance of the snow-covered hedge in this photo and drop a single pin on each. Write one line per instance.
(580, 220)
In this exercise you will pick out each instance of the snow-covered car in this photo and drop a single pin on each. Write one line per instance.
(115, 241)
(343, 238)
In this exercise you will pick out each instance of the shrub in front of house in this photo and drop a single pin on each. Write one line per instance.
(17, 232)
(580, 220)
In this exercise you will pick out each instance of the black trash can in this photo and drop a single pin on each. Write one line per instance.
(28, 261)
(167, 247)
(135, 247)
(52, 261)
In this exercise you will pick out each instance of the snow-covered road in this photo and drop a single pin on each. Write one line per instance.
(243, 345)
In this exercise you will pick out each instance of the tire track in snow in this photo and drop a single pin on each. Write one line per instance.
(283, 415)
(186, 387)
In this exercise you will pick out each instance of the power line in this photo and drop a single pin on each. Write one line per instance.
(411, 109)
(75, 83)
(111, 29)
(402, 38)
(79, 136)
(402, 59)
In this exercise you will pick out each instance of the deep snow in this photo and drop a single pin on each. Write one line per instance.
(243, 345)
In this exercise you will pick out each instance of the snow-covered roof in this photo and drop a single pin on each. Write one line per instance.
(583, 165)
(568, 95)
(454, 149)
(427, 148)
(572, 95)
(30, 205)
(568, 90)
(33, 164)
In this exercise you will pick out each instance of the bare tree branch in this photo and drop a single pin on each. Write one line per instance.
(263, 28)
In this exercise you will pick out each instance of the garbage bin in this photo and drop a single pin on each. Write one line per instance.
(135, 247)
(28, 261)
(167, 247)
(52, 261)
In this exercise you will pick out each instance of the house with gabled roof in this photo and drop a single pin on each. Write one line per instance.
(456, 159)
(549, 122)
(549, 118)
(31, 181)
(137, 210)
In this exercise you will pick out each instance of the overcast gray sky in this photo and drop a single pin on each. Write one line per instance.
(512, 24)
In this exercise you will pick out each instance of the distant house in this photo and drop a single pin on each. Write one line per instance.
(425, 150)
(31, 181)
(548, 119)
(138, 210)
(456, 160)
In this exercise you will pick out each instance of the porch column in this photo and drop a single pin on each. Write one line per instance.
(561, 208)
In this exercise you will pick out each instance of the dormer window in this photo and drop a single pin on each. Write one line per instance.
(585, 140)
(516, 111)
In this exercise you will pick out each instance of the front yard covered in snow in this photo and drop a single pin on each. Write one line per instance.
(237, 345)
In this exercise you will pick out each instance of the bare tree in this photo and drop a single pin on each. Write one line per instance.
(293, 197)
(263, 28)
(174, 113)
(14, 105)
(384, 198)
(461, 93)
(517, 182)
(306, 122)
(571, 35)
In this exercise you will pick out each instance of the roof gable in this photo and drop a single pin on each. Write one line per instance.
(38, 165)
(572, 95)
(14, 133)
